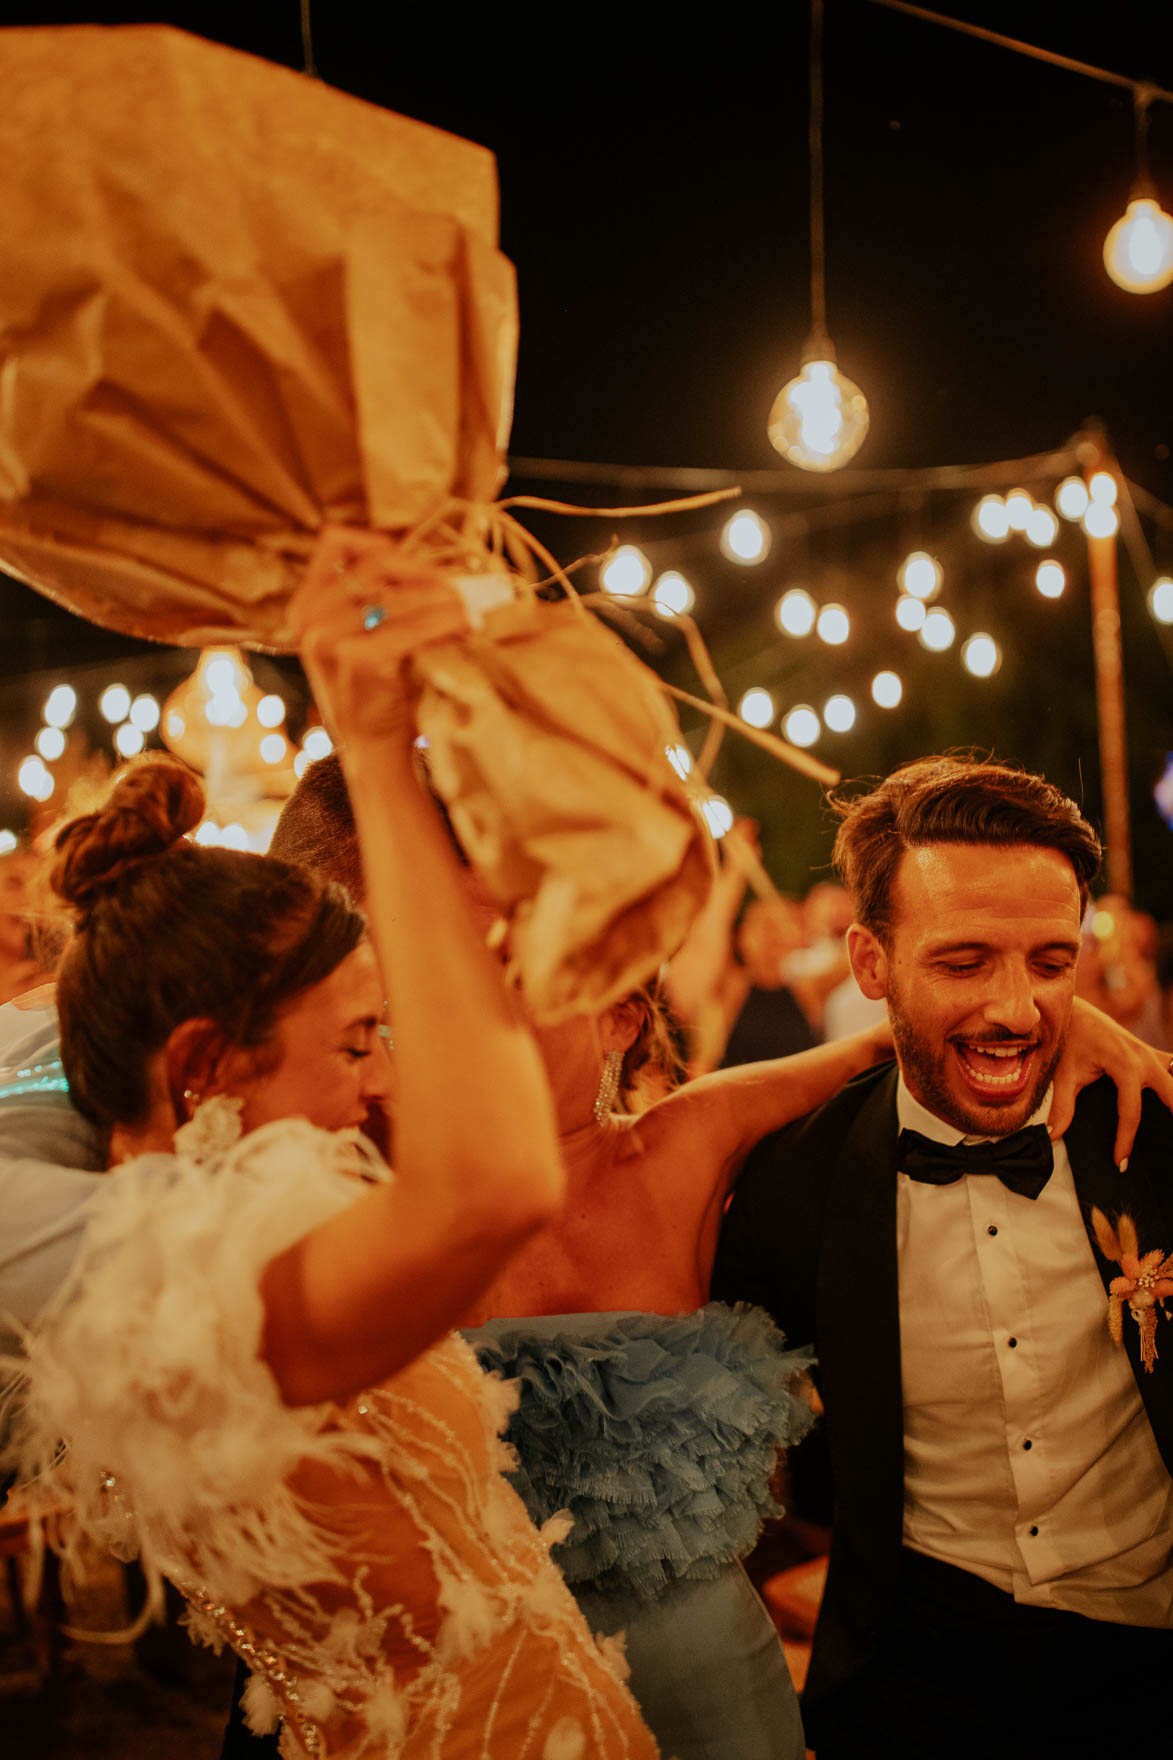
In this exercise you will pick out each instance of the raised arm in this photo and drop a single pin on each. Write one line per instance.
(1098, 1046)
(476, 1157)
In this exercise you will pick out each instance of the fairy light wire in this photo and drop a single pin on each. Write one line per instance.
(818, 335)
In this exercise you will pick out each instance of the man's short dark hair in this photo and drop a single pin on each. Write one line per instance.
(952, 799)
(316, 828)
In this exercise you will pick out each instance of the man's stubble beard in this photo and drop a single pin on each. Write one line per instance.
(924, 1076)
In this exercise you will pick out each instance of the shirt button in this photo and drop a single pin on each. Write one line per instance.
(1028, 1443)
(1013, 1343)
(991, 1229)
(1033, 1533)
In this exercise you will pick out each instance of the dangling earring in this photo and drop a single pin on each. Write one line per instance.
(191, 1100)
(608, 1086)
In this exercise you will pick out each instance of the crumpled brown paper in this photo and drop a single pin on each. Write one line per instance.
(236, 305)
(548, 743)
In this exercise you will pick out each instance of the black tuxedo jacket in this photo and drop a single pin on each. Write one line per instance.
(811, 1236)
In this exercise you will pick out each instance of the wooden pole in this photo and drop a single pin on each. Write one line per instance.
(1109, 669)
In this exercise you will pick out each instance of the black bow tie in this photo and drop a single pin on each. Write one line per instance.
(1022, 1162)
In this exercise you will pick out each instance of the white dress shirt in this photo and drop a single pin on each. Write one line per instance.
(1028, 1458)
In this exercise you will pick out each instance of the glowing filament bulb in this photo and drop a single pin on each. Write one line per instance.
(819, 420)
(746, 537)
(626, 572)
(1138, 251)
(756, 707)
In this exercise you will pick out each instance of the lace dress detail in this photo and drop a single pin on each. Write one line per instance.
(368, 1560)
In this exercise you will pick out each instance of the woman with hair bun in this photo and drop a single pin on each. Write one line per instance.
(251, 1364)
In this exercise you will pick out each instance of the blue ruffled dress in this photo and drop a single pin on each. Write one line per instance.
(660, 1433)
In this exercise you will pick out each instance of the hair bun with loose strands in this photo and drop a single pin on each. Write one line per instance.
(153, 804)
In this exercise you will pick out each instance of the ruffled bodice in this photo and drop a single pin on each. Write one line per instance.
(368, 1560)
(658, 1433)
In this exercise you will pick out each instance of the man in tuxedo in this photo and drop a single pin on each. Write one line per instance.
(1001, 1574)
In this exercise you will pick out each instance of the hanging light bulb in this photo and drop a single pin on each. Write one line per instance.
(756, 707)
(672, 594)
(887, 690)
(746, 537)
(834, 625)
(1041, 528)
(1138, 251)
(839, 713)
(990, 521)
(796, 612)
(1071, 498)
(1161, 598)
(910, 613)
(818, 420)
(920, 575)
(1018, 509)
(626, 572)
(981, 656)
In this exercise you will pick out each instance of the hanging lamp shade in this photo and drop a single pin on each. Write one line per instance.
(237, 305)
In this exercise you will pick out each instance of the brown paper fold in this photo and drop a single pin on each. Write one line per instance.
(548, 743)
(236, 305)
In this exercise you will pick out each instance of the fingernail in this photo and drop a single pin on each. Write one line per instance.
(1122, 1166)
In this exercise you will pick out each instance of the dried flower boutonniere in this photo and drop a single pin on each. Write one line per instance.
(1145, 1284)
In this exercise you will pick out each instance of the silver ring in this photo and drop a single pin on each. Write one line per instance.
(373, 616)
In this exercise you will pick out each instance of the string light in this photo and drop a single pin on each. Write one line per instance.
(818, 420)
(1019, 507)
(718, 814)
(8, 842)
(273, 748)
(1161, 599)
(839, 713)
(672, 594)
(1071, 498)
(1042, 528)
(271, 711)
(796, 612)
(834, 625)
(626, 572)
(61, 706)
(910, 613)
(1138, 251)
(1102, 489)
(990, 520)
(746, 537)
(920, 575)
(887, 690)
(144, 714)
(301, 764)
(938, 631)
(680, 759)
(50, 742)
(801, 726)
(34, 779)
(756, 707)
(316, 743)
(981, 656)
(129, 739)
(1101, 520)
(114, 703)
(1050, 578)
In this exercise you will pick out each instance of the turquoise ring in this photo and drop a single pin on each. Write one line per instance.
(373, 616)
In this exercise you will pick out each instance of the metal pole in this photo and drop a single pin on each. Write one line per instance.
(1109, 668)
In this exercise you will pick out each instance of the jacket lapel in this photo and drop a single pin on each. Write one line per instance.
(1145, 1191)
(858, 1331)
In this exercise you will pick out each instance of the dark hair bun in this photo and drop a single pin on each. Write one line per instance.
(154, 802)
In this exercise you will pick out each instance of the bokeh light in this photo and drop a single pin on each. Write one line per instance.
(834, 625)
(756, 707)
(796, 612)
(989, 519)
(938, 631)
(1042, 528)
(61, 706)
(981, 655)
(129, 739)
(718, 814)
(746, 537)
(316, 743)
(144, 714)
(114, 703)
(1161, 599)
(1071, 498)
(910, 613)
(887, 689)
(626, 572)
(271, 710)
(801, 725)
(1018, 509)
(673, 594)
(1050, 578)
(1101, 520)
(839, 713)
(920, 575)
(50, 743)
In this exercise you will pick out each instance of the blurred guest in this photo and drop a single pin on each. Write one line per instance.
(1117, 967)
(20, 966)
